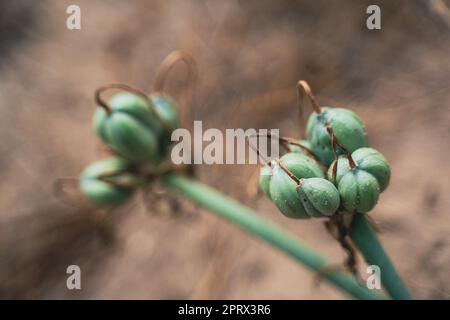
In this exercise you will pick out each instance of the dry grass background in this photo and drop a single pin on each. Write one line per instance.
(250, 55)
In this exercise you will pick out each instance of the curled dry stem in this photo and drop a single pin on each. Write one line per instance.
(166, 66)
(121, 86)
(302, 89)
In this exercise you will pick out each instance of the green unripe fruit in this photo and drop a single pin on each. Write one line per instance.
(264, 179)
(301, 165)
(282, 189)
(167, 110)
(283, 192)
(298, 149)
(314, 197)
(319, 197)
(107, 183)
(373, 162)
(361, 186)
(130, 129)
(347, 126)
(359, 191)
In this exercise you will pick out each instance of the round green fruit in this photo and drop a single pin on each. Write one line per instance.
(360, 187)
(299, 164)
(167, 110)
(131, 128)
(283, 192)
(108, 183)
(347, 126)
(319, 197)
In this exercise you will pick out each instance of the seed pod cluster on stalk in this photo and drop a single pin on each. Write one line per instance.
(137, 128)
(297, 186)
(332, 169)
(109, 182)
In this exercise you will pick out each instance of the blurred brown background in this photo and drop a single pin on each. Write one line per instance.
(250, 55)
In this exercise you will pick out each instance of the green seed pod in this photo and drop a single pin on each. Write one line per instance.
(348, 128)
(373, 162)
(302, 166)
(319, 197)
(298, 149)
(299, 164)
(167, 109)
(282, 189)
(359, 191)
(130, 128)
(314, 197)
(108, 182)
(264, 179)
(283, 192)
(360, 187)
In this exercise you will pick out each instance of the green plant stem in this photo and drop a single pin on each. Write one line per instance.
(250, 221)
(368, 243)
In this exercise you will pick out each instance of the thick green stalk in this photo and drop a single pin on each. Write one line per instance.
(250, 221)
(368, 243)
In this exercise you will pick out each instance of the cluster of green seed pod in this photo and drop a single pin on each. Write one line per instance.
(137, 127)
(109, 182)
(297, 186)
(333, 169)
(347, 126)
